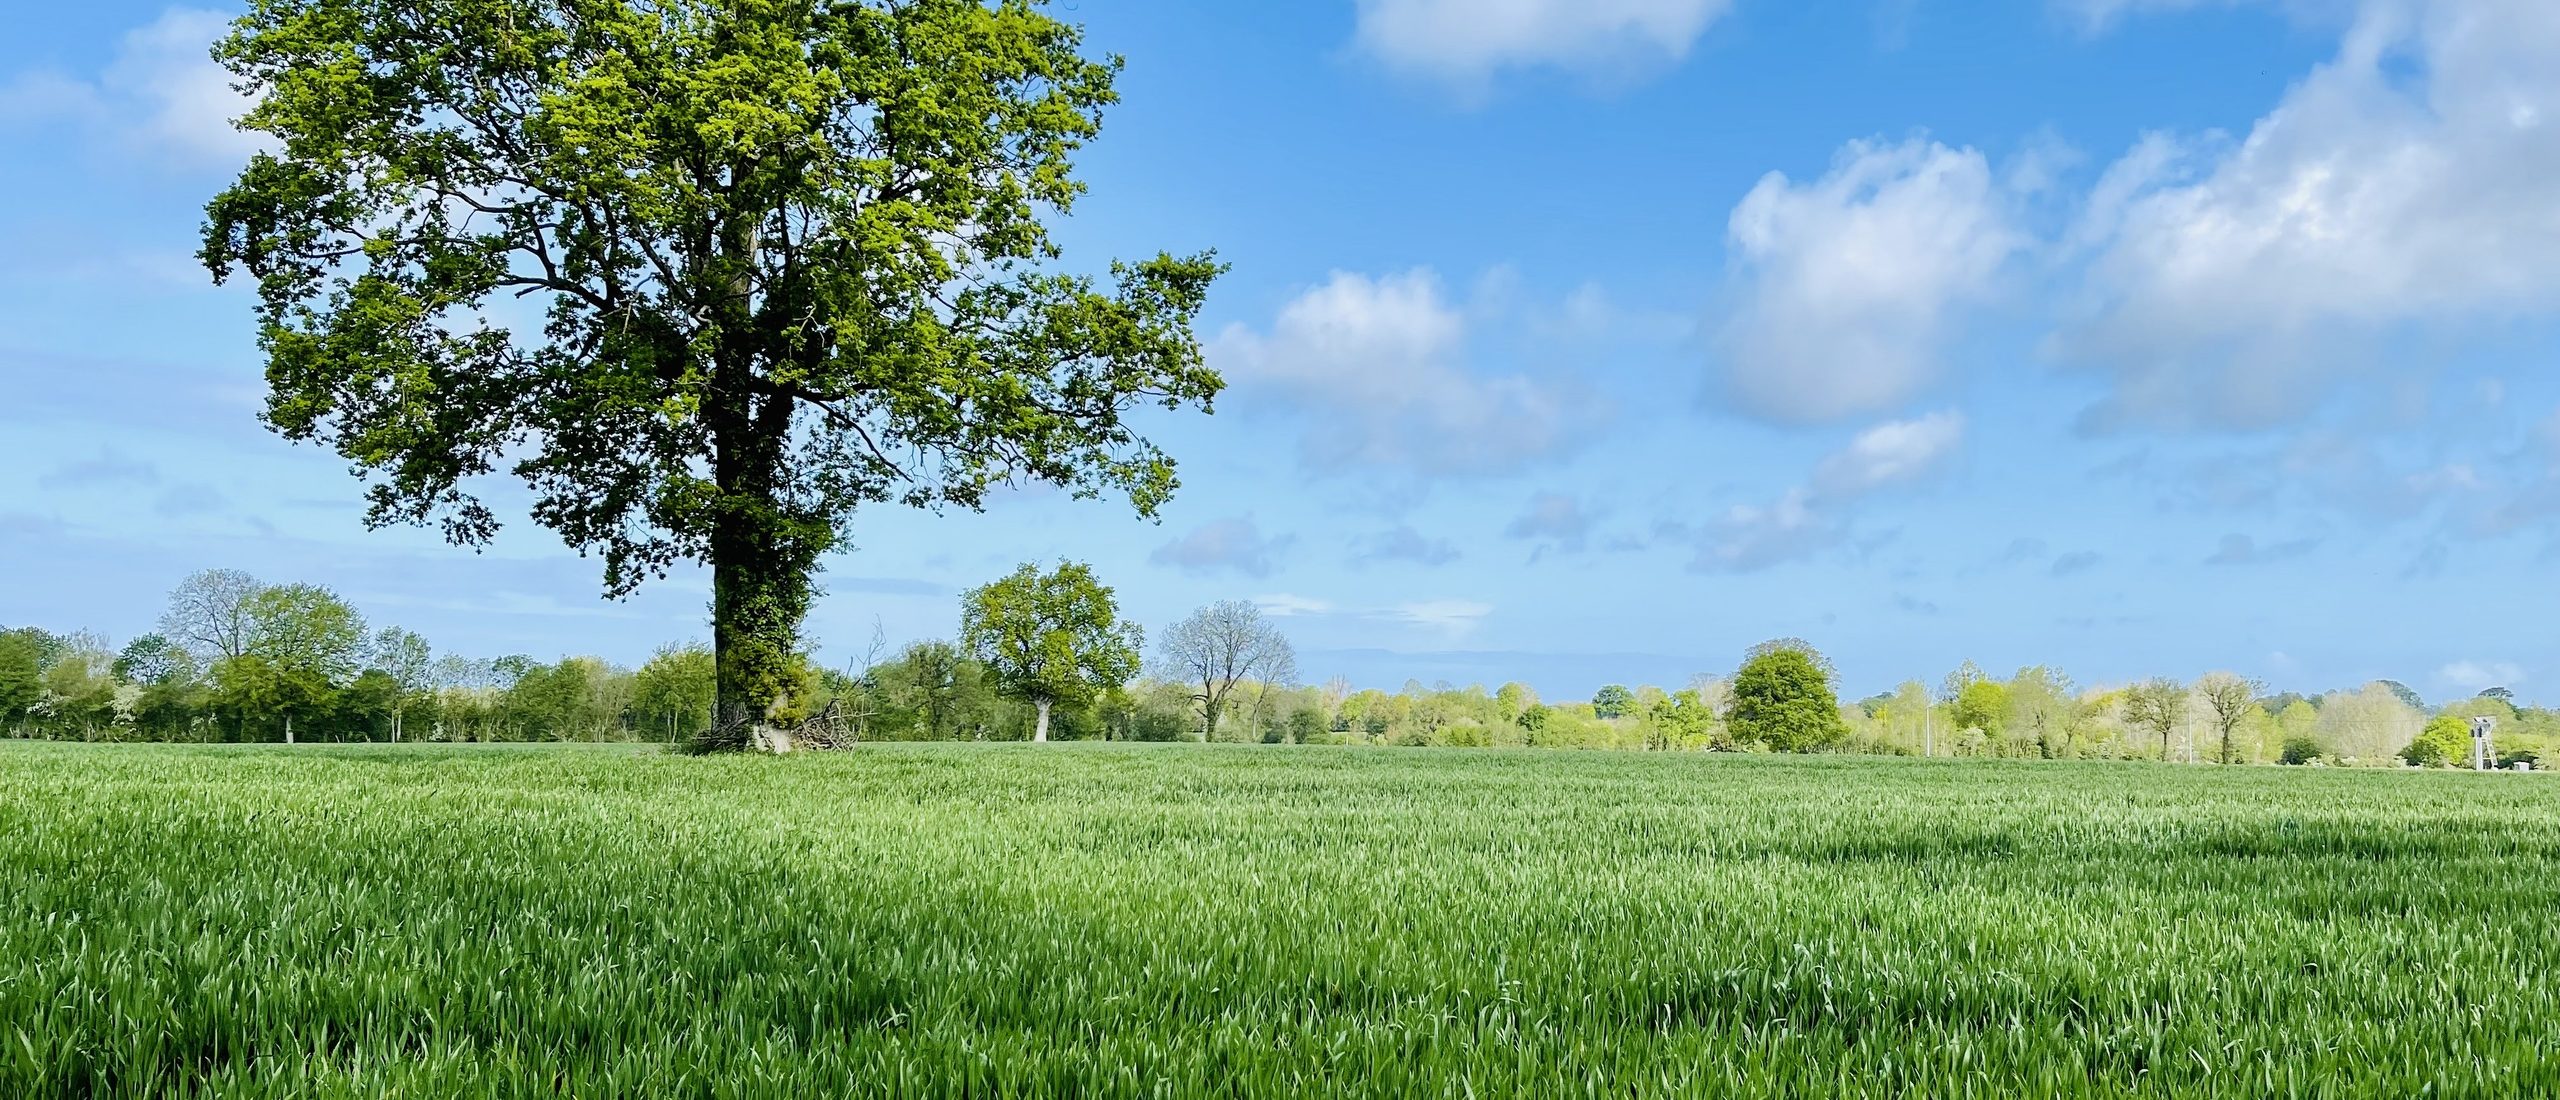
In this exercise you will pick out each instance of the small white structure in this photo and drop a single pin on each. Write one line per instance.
(2483, 756)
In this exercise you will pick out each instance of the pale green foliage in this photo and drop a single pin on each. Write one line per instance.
(2445, 742)
(677, 688)
(2044, 713)
(2368, 726)
(1981, 705)
(2157, 706)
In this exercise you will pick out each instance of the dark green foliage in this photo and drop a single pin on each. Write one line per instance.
(793, 260)
(1612, 701)
(2405, 695)
(2299, 750)
(22, 666)
(1783, 700)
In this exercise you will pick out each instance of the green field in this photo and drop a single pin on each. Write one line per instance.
(1182, 920)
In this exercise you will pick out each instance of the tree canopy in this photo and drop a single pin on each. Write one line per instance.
(1050, 637)
(1782, 698)
(777, 261)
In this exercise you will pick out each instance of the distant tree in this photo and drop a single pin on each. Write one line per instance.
(1050, 638)
(303, 644)
(2402, 692)
(934, 690)
(255, 684)
(1965, 675)
(2156, 705)
(78, 684)
(2231, 697)
(1909, 716)
(408, 665)
(2283, 701)
(1612, 701)
(676, 687)
(1220, 646)
(1681, 720)
(2372, 723)
(1981, 704)
(1783, 699)
(793, 259)
(2500, 694)
(2445, 741)
(2299, 750)
(2044, 711)
(209, 614)
(1830, 675)
(153, 659)
(308, 627)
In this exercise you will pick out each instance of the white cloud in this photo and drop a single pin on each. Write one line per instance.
(1227, 544)
(2408, 180)
(1807, 518)
(1378, 362)
(162, 94)
(1450, 617)
(1891, 453)
(1454, 617)
(1847, 286)
(2479, 676)
(1465, 42)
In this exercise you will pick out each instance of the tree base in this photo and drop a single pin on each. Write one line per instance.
(825, 730)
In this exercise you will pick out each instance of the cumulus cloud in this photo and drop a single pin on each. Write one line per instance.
(1891, 453)
(2479, 676)
(1465, 42)
(2405, 181)
(1846, 288)
(162, 94)
(1235, 545)
(1403, 543)
(1379, 365)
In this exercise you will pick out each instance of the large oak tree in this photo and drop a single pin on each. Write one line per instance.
(791, 257)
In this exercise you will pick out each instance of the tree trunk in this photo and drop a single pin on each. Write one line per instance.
(1040, 728)
(762, 551)
(288, 727)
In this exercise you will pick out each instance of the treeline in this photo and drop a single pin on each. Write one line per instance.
(236, 659)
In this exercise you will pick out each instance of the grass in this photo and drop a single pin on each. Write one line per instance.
(1180, 920)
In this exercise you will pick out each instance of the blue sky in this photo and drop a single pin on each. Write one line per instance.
(1570, 341)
